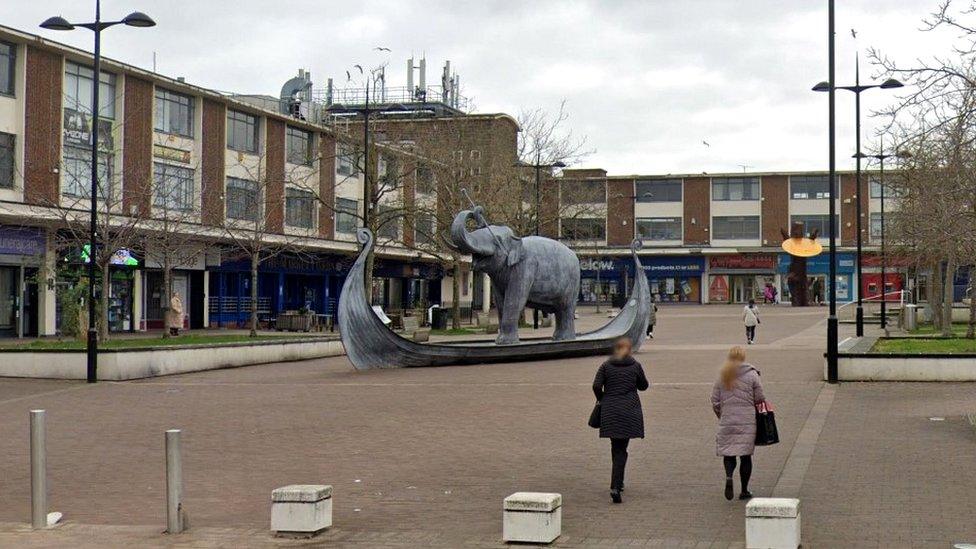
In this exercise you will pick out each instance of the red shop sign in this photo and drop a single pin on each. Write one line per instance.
(743, 261)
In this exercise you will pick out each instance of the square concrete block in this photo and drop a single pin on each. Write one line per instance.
(773, 523)
(532, 517)
(301, 509)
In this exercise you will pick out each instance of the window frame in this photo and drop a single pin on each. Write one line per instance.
(239, 184)
(11, 75)
(235, 117)
(346, 155)
(425, 174)
(728, 184)
(345, 215)
(583, 193)
(168, 98)
(819, 195)
(292, 198)
(600, 236)
(872, 218)
(8, 164)
(671, 183)
(82, 156)
(185, 176)
(821, 218)
(106, 89)
(740, 219)
(670, 219)
(307, 158)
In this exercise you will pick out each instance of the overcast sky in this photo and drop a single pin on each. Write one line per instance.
(646, 81)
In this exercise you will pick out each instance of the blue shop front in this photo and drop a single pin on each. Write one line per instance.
(287, 282)
(672, 279)
(818, 269)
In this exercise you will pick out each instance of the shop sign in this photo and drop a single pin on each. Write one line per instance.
(591, 264)
(819, 264)
(718, 288)
(659, 266)
(77, 130)
(171, 153)
(743, 262)
(22, 241)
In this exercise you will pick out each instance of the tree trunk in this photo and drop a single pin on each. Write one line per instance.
(971, 328)
(166, 298)
(103, 304)
(254, 294)
(456, 295)
(947, 299)
(935, 294)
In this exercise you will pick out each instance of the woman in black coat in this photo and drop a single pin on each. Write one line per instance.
(621, 417)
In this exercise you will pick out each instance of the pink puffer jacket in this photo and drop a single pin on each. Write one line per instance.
(736, 412)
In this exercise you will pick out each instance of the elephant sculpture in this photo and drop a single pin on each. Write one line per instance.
(535, 271)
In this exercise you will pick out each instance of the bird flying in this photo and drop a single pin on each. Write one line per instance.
(705, 143)
(381, 48)
(853, 33)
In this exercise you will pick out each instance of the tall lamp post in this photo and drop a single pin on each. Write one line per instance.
(857, 88)
(538, 205)
(134, 19)
(881, 157)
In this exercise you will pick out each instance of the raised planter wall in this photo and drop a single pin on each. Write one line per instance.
(123, 364)
(861, 366)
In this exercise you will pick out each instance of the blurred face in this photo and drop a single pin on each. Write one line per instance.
(622, 347)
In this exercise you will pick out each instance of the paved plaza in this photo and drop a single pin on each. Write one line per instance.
(424, 457)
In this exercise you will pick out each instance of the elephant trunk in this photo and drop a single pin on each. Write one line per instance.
(462, 238)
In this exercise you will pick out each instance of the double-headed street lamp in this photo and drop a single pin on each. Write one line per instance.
(538, 204)
(881, 157)
(134, 19)
(857, 88)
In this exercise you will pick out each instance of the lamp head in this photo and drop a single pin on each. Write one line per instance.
(822, 87)
(559, 164)
(138, 19)
(891, 83)
(57, 23)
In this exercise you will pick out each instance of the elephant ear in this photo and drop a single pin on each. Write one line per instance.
(514, 250)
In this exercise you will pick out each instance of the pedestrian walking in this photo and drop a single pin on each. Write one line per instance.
(734, 400)
(621, 417)
(769, 294)
(652, 318)
(750, 317)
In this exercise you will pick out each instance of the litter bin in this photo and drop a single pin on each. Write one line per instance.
(439, 318)
(910, 321)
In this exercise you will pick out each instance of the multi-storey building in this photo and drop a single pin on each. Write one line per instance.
(169, 148)
(716, 238)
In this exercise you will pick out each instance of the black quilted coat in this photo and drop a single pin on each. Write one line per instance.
(615, 386)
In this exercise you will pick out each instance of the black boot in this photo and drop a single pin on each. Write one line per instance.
(615, 495)
(728, 488)
(746, 494)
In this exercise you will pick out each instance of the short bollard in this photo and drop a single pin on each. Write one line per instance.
(301, 510)
(532, 517)
(175, 513)
(773, 523)
(38, 465)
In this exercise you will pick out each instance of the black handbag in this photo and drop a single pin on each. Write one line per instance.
(766, 431)
(595, 416)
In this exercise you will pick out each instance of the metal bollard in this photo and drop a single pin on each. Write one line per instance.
(174, 483)
(38, 465)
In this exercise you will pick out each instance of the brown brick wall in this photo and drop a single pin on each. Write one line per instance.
(42, 135)
(697, 208)
(137, 146)
(214, 144)
(408, 178)
(775, 208)
(275, 172)
(327, 182)
(620, 212)
(848, 209)
(549, 207)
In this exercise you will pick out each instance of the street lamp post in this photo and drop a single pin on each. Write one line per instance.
(856, 89)
(538, 205)
(134, 19)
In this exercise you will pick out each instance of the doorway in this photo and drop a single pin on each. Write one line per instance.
(8, 301)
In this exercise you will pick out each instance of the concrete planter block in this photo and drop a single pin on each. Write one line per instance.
(301, 510)
(532, 517)
(773, 523)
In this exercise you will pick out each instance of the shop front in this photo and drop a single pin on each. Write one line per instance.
(22, 251)
(604, 279)
(741, 277)
(818, 269)
(674, 279)
(399, 285)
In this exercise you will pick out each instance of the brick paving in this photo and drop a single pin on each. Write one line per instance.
(424, 457)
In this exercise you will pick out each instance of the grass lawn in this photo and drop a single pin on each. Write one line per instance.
(142, 342)
(458, 332)
(925, 345)
(958, 329)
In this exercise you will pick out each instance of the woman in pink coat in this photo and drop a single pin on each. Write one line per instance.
(734, 400)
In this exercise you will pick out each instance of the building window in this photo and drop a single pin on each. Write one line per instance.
(299, 145)
(8, 65)
(174, 113)
(174, 187)
(740, 227)
(424, 229)
(425, 180)
(299, 208)
(77, 173)
(735, 188)
(890, 192)
(346, 161)
(78, 90)
(659, 190)
(242, 132)
(587, 228)
(347, 215)
(810, 187)
(6, 160)
(388, 170)
(388, 220)
(243, 199)
(583, 192)
(876, 225)
(659, 228)
(810, 222)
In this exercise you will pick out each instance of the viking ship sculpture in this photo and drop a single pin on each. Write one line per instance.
(369, 343)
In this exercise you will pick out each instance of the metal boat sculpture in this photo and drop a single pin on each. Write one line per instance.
(371, 344)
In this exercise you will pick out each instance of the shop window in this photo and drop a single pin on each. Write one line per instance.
(298, 143)
(810, 187)
(744, 227)
(347, 215)
(659, 228)
(243, 199)
(659, 190)
(8, 65)
(6, 160)
(174, 113)
(583, 229)
(78, 90)
(735, 188)
(819, 222)
(77, 173)
(583, 192)
(173, 187)
(242, 132)
(299, 208)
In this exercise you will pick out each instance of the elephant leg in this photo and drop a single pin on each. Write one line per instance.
(511, 312)
(565, 323)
